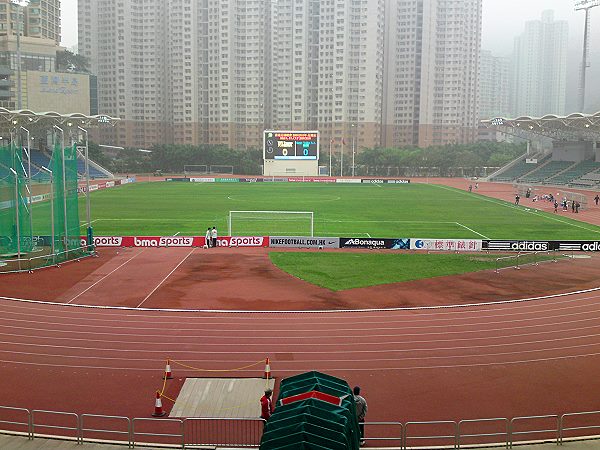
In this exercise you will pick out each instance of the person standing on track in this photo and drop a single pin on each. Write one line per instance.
(208, 238)
(555, 206)
(266, 405)
(596, 199)
(214, 236)
(517, 198)
(361, 412)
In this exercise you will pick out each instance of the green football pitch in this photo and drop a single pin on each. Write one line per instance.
(361, 210)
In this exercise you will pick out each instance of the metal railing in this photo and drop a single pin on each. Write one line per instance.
(526, 259)
(44, 261)
(246, 432)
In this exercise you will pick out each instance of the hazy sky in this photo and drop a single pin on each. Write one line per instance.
(502, 20)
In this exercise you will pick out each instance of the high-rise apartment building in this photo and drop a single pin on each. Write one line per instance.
(431, 76)
(327, 68)
(539, 78)
(222, 71)
(494, 86)
(40, 19)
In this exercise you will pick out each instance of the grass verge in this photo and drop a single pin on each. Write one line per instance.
(340, 271)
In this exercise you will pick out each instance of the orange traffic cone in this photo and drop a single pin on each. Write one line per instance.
(158, 411)
(168, 375)
(267, 369)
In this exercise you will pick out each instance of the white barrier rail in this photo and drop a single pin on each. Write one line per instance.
(179, 433)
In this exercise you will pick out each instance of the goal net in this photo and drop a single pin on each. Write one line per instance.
(271, 223)
(221, 169)
(195, 169)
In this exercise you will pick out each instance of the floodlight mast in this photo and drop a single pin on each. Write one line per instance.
(585, 5)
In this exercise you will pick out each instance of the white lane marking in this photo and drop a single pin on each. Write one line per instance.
(352, 343)
(105, 276)
(304, 311)
(317, 365)
(470, 229)
(368, 326)
(165, 278)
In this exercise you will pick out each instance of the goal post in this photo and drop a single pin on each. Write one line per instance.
(271, 223)
(195, 169)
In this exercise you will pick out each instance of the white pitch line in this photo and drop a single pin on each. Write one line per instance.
(105, 276)
(472, 230)
(368, 235)
(177, 233)
(524, 210)
(165, 278)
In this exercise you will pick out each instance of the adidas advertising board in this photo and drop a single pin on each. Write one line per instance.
(579, 246)
(521, 246)
(447, 245)
(304, 242)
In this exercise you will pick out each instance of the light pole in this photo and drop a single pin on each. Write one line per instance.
(19, 30)
(353, 149)
(88, 207)
(585, 5)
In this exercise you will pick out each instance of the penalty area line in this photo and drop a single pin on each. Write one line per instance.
(472, 230)
(165, 278)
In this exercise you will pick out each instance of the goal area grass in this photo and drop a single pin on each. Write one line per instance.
(362, 210)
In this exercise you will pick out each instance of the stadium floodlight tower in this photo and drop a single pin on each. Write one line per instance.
(586, 5)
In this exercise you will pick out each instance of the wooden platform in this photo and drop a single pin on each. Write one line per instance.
(220, 397)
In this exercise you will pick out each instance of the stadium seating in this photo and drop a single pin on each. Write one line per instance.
(519, 170)
(589, 180)
(577, 171)
(94, 173)
(546, 171)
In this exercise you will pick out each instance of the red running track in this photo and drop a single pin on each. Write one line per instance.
(498, 360)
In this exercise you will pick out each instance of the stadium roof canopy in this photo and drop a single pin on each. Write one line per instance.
(23, 117)
(576, 126)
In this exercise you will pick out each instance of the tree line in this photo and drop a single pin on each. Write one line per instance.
(172, 158)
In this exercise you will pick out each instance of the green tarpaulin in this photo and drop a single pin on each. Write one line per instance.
(313, 423)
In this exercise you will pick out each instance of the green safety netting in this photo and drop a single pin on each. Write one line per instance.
(67, 241)
(16, 229)
(55, 214)
(313, 423)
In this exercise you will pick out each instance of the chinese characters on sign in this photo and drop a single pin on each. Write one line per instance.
(59, 84)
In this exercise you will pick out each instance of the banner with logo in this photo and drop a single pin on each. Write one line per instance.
(202, 180)
(520, 246)
(447, 245)
(385, 181)
(394, 244)
(578, 246)
(348, 180)
(250, 180)
(176, 241)
(303, 242)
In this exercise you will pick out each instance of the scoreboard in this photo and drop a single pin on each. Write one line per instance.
(291, 145)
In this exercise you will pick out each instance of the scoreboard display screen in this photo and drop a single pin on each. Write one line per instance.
(291, 145)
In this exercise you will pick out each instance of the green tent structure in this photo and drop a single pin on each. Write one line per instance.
(313, 411)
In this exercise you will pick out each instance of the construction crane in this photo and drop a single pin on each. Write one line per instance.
(585, 5)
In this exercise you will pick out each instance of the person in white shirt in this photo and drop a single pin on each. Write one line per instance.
(214, 236)
(208, 238)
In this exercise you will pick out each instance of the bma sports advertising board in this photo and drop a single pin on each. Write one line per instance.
(291, 145)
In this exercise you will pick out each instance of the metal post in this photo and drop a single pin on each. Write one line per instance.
(51, 207)
(17, 216)
(330, 145)
(64, 182)
(88, 207)
(342, 159)
(28, 152)
(352, 156)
